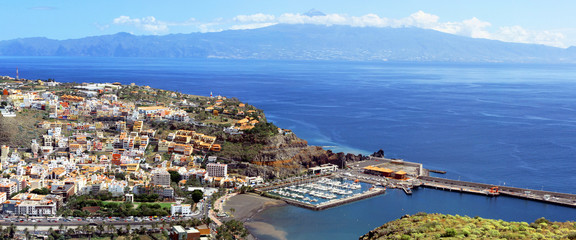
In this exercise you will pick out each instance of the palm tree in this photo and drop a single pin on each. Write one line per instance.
(90, 231)
(100, 228)
(11, 230)
(207, 220)
(135, 236)
(26, 233)
(71, 231)
(111, 227)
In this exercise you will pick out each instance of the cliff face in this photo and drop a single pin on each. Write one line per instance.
(287, 154)
(280, 151)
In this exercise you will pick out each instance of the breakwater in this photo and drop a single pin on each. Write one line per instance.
(564, 199)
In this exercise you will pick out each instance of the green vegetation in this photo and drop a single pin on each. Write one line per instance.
(22, 135)
(230, 229)
(41, 191)
(436, 226)
(21, 191)
(146, 197)
(175, 176)
(240, 151)
(263, 129)
(106, 208)
(197, 195)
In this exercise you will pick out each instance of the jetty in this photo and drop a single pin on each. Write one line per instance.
(407, 190)
(491, 190)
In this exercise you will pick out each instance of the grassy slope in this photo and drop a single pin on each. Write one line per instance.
(436, 226)
(20, 130)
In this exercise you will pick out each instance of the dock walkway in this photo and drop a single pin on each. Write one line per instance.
(565, 199)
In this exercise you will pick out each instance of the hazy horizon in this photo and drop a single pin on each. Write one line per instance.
(510, 21)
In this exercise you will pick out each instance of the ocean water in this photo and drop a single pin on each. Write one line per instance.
(508, 124)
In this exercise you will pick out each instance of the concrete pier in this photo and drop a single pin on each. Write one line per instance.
(564, 199)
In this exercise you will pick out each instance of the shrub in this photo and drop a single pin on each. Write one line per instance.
(450, 232)
(421, 214)
(571, 236)
(542, 220)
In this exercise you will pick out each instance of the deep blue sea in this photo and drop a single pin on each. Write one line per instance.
(507, 124)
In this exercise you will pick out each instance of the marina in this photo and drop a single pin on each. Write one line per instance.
(324, 192)
(372, 177)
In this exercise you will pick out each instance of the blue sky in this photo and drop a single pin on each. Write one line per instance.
(544, 22)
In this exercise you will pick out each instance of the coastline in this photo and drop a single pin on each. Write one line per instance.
(248, 205)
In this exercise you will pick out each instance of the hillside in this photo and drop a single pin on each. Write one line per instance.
(297, 42)
(435, 226)
(261, 150)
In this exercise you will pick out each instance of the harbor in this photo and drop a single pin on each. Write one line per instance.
(372, 177)
(323, 192)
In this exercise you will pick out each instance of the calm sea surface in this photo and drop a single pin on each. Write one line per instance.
(509, 124)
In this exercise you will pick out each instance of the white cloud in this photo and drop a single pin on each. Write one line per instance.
(260, 17)
(250, 26)
(150, 23)
(521, 35)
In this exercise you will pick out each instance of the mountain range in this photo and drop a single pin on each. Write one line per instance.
(297, 42)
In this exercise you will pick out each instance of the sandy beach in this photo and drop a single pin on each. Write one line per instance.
(247, 205)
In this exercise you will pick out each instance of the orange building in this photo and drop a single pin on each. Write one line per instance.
(70, 98)
(400, 175)
(385, 172)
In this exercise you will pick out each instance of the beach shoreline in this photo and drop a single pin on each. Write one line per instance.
(246, 206)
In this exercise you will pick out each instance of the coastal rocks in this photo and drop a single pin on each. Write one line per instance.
(378, 154)
(315, 156)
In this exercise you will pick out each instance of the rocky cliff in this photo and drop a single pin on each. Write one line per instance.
(285, 155)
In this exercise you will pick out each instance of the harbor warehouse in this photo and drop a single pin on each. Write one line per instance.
(385, 172)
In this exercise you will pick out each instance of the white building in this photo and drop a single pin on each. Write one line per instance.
(160, 177)
(117, 187)
(217, 169)
(181, 209)
(36, 208)
(8, 186)
(324, 168)
(254, 180)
